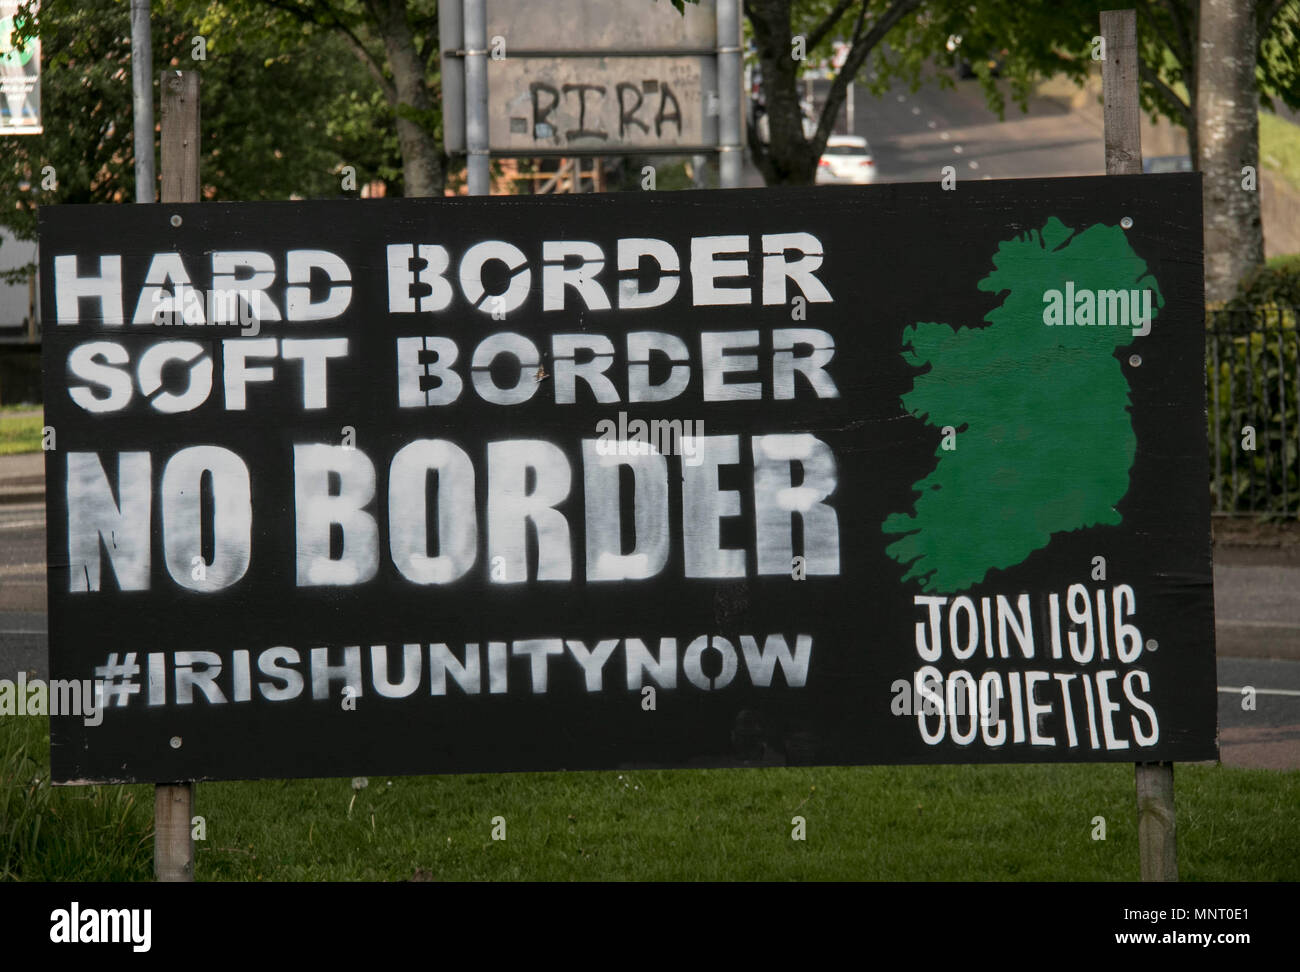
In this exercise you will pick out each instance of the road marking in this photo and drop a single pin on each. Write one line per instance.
(23, 631)
(1231, 623)
(1237, 690)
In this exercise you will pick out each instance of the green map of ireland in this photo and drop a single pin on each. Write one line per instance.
(1040, 403)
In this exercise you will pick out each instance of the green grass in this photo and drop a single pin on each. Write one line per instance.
(20, 433)
(66, 834)
(880, 823)
(1279, 147)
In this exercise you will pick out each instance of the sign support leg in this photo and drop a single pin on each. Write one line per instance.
(1157, 834)
(1157, 838)
(173, 848)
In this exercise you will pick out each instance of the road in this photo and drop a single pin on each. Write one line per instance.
(1268, 735)
(913, 135)
(22, 589)
(22, 557)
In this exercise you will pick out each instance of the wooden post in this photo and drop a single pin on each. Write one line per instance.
(173, 806)
(1157, 835)
(1119, 91)
(180, 136)
(173, 846)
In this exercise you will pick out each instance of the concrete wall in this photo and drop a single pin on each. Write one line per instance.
(18, 302)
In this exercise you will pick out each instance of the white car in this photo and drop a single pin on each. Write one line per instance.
(847, 159)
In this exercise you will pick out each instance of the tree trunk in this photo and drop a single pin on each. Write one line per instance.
(863, 45)
(422, 173)
(1190, 58)
(1228, 139)
(787, 158)
(1186, 50)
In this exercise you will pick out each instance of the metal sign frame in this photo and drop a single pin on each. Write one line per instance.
(466, 78)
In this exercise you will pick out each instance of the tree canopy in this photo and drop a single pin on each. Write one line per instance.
(285, 107)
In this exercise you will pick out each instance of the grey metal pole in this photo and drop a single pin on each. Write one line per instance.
(142, 100)
(852, 85)
(729, 104)
(451, 38)
(476, 97)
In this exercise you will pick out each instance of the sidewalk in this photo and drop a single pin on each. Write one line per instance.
(22, 478)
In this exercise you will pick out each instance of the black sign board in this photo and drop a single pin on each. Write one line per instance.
(805, 476)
